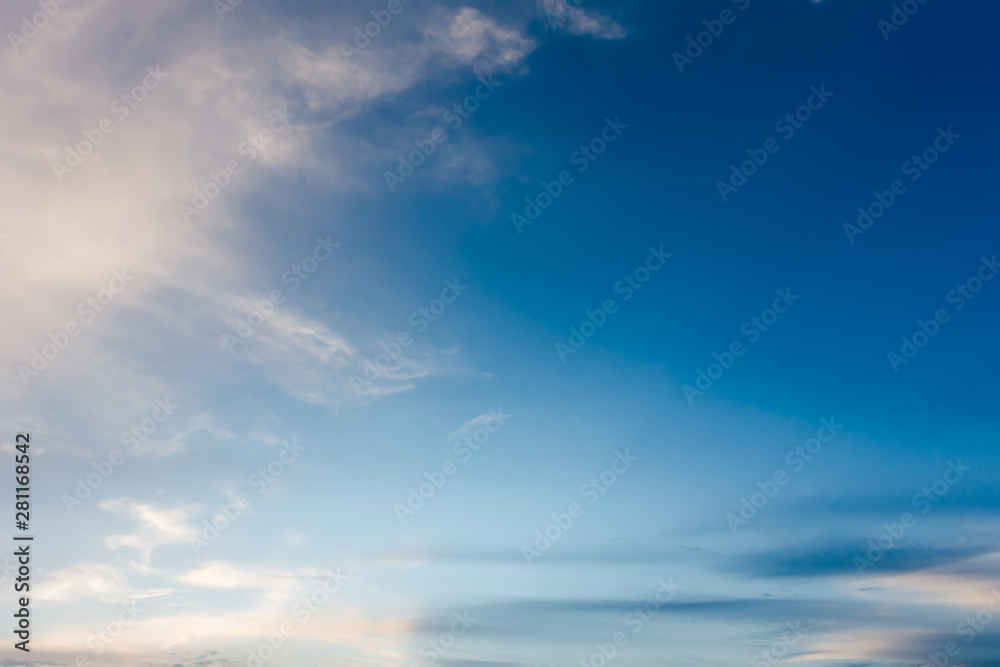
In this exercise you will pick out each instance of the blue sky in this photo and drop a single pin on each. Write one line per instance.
(654, 420)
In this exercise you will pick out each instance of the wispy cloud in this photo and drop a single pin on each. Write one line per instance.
(575, 19)
(156, 526)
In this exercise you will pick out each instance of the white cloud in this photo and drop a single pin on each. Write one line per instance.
(220, 574)
(120, 207)
(315, 365)
(156, 526)
(478, 40)
(577, 20)
(468, 426)
(91, 581)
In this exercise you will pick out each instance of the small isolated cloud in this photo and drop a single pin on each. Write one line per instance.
(468, 426)
(475, 39)
(157, 526)
(220, 574)
(570, 17)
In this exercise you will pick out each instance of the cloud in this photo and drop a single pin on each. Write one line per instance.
(838, 560)
(468, 426)
(576, 20)
(316, 365)
(478, 40)
(90, 581)
(220, 574)
(156, 526)
(119, 208)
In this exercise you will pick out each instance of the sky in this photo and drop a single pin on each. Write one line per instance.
(535, 333)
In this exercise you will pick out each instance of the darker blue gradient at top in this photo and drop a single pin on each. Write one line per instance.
(785, 227)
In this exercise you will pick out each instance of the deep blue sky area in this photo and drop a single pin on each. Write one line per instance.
(785, 227)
